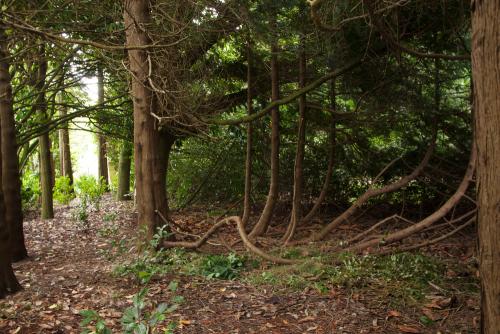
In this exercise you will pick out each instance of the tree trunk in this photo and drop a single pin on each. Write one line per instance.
(10, 169)
(272, 197)
(102, 160)
(44, 141)
(64, 146)
(249, 154)
(331, 156)
(298, 178)
(151, 148)
(124, 171)
(8, 281)
(486, 76)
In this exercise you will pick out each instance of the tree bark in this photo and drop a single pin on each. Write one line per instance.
(249, 153)
(64, 146)
(272, 197)
(10, 164)
(298, 177)
(151, 148)
(124, 171)
(331, 156)
(486, 77)
(44, 140)
(8, 281)
(102, 159)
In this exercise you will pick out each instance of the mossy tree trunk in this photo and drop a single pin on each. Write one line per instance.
(64, 145)
(124, 171)
(102, 160)
(44, 140)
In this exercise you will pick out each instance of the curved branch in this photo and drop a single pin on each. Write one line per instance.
(287, 99)
(429, 220)
(372, 192)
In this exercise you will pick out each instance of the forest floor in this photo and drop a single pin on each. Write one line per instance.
(75, 266)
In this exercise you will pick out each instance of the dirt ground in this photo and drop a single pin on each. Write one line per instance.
(68, 271)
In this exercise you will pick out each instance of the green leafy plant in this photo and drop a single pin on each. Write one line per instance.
(135, 319)
(89, 190)
(81, 214)
(222, 266)
(63, 190)
(150, 262)
(109, 216)
(93, 323)
(30, 190)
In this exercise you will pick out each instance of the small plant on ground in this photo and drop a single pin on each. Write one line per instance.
(109, 216)
(222, 266)
(30, 189)
(149, 262)
(81, 215)
(135, 319)
(63, 190)
(89, 190)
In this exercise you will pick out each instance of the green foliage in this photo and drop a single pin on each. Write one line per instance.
(149, 262)
(63, 190)
(109, 216)
(93, 323)
(135, 319)
(222, 266)
(30, 189)
(89, 190)
(81, 214)
(404, 275)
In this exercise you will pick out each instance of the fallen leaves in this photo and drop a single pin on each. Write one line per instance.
(408, 329)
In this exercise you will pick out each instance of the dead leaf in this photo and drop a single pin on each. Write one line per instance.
(306, 319)
(431, 315)
(393, 313)
(408, 329)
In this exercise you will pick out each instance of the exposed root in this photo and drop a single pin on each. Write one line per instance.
(372, 192)
(254, 249)
(198, 243)
(429, 220)
(430, 242)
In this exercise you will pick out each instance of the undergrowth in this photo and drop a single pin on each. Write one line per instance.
(403, 277)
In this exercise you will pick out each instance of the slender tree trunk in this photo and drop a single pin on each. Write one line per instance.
(10, 169)
(8, 281)
(64, 146)
(272, 197)
(44, 141)
(486, 76)
(249, 154)
(151, 148)
(124, 171)
(331, 156)
(103, 160)
(298, 178)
